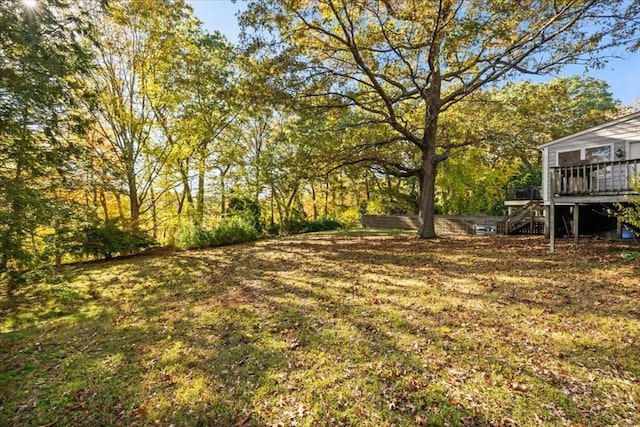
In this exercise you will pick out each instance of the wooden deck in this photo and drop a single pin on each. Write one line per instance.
(605, 178)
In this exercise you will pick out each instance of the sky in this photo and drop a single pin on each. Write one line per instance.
(622, 75)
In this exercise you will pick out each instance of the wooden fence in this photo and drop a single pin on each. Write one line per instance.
(444, 224)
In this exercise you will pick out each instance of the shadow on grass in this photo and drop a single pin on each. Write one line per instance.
(323, 330)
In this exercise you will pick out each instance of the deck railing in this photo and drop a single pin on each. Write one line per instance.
(596, 178)
(523, 193)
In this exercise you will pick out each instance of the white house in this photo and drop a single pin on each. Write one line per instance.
(586, 173)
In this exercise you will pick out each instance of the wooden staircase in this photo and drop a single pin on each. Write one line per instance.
(523, 221)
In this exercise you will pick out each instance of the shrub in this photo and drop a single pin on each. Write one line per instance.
(189, 236)
(246, 208)
(295, 223)
(234, 230)
(629, 213)
(350, 217)
(301, 225)
(630, 255)
(230, 231)
(323, 224)
(273, 229)
(108, 239)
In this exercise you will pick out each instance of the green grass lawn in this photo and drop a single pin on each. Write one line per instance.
(331, 329)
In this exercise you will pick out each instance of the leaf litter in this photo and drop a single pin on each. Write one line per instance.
(337, 329)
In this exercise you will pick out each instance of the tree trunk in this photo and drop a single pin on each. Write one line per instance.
(272, 207)
(202, 169)
(326, 196)
(103, 203)
(258, 190)
(223, 196)
(119, 203)
(154, 216)
(186, 188)
(314, 201)
(426, 214)
(429, 164)
(200, 198)
(290, 202)
(134, 203)
(181, 198)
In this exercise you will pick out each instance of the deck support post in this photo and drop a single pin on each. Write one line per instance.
(531, 220)
(575, 227)
(551, 219)
(547, 211)
(619, 228)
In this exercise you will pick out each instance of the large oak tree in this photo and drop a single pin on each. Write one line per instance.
(405, 63)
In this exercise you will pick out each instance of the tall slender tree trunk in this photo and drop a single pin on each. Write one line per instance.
(326, 196)
(279, 202)
(87, 199)
(223, 196)
(154, 215)
(134, 203)
(119, 203)
(258, 188)
(181, 198)
(200, 197)
(223, 188)
(272, 197)
(103, 203)
(314, 201)
(202, 170)
(290, 201)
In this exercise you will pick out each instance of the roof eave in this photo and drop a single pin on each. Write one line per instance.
(591, 129)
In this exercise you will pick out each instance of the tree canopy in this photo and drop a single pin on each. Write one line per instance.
(403, 64)
(44, 58)
(127, 123)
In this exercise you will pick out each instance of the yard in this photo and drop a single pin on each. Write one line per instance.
(353, 328)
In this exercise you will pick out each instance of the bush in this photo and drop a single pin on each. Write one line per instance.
(230, 231)
(350, 217)
(189, 236)
(629, 213)
(108, 239)
(246, 208)
(300, 225)
(323, 224)
(234, 230)
(273, 229)
(630, 255)
(295, 223)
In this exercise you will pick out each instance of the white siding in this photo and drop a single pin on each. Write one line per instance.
(634, 150)
(619, 135)
(545, 174)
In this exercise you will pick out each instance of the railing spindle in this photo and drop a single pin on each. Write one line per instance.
(593, 178)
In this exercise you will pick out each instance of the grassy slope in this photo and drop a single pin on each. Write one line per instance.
(331, 329)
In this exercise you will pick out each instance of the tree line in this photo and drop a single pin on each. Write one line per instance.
(126, 123)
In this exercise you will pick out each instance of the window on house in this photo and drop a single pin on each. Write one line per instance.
(598, 154)
(568, 158)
